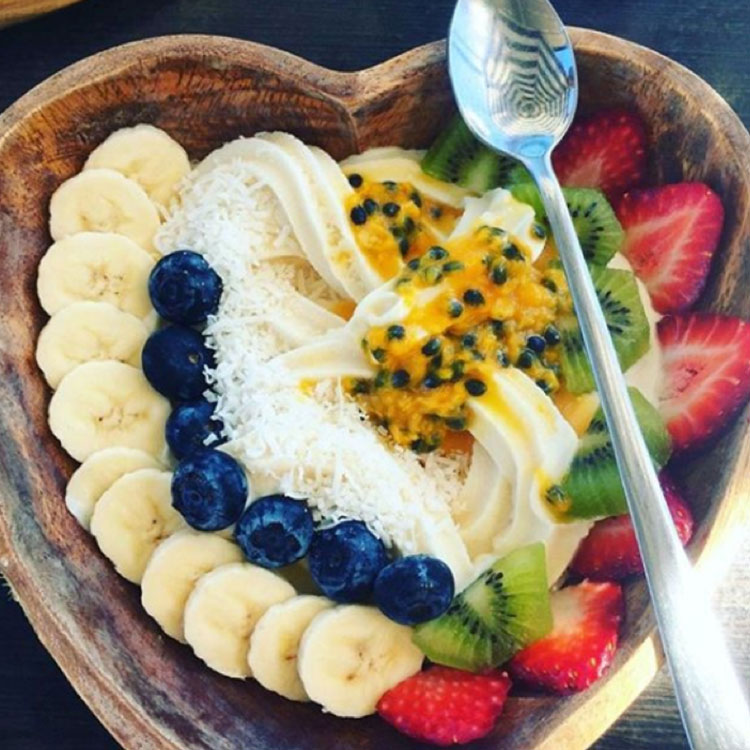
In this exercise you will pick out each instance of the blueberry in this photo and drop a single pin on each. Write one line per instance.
(184, 288)
(190, 424)
(370, 206)
(345, 559)
(275, 530)
(173, 361)
(355, 180)
(209, 490)
(391, 208)
(414, 589)
(437, 253)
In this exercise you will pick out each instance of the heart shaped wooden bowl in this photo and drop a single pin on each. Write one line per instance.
(149, 691)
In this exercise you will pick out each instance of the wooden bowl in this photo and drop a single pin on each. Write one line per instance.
(15, 11)
(149, 691)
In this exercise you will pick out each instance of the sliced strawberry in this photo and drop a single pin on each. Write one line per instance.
(671, 234)
(446, 706)
(582, 643)
(605, 151)
(610, 551)
(706, 366)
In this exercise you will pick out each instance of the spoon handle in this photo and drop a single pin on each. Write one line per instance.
(713, 707)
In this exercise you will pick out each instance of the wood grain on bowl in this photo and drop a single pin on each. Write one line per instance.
(149, 691)
(15, 11)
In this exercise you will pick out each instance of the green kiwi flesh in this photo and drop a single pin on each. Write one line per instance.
(592, 487)
(597, 227)
(620, 300)
(457, 156)
(503, 611)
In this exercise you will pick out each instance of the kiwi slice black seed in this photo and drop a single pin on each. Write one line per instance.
(505, 609)
(457, 156)
(592, 486)
(597, 227)
(618, 295)
(596, 224)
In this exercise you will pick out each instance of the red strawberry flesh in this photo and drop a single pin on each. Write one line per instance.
(446, 706)
(610, 551)
(582, 643)
(605, 151)
(671, 234)
(706, 366)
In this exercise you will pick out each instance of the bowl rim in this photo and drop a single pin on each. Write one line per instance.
(578, 728)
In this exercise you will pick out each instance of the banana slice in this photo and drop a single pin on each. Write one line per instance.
(274, 644)
(174, 569)
(97, 474)
(103, 200)
(147, 155)
(222, 611)
(87, 332)
(349, 656)
(103, 404)
(99, 267)
(132, 517)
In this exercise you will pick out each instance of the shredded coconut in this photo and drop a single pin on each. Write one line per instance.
(315, 445)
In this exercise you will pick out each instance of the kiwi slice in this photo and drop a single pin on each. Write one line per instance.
(597, 227)
(596, 224)
(527, 192)
(505, 609)
(618, 295)
(592, 487)
(457, 156)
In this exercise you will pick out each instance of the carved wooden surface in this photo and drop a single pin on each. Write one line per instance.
(149, 691)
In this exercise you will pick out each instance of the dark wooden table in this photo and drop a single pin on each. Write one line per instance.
(38, 709)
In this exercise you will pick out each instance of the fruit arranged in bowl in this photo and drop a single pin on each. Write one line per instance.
(73, 597)
(366, 380)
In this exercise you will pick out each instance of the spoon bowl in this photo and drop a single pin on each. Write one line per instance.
(530, 88)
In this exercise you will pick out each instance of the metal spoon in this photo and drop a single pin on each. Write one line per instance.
(514, 76)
